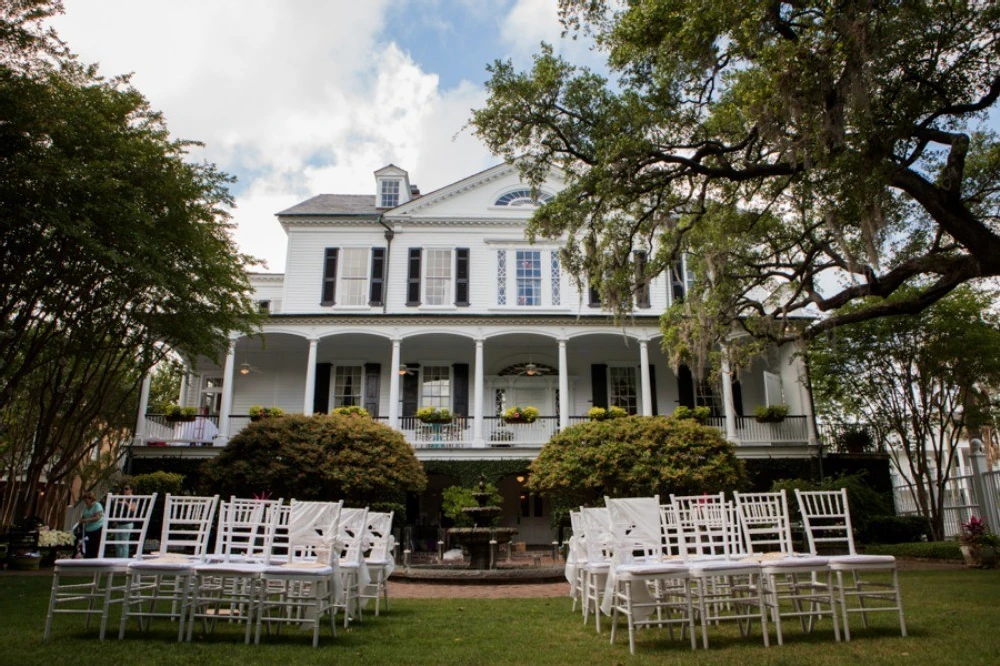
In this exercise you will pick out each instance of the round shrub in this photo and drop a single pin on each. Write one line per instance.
(634, 457)
(319, 457)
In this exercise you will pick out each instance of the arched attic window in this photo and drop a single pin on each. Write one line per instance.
(522, 197)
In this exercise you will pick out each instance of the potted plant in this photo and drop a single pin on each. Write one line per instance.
(174, 413)
(979, 545)
(350, 410)
(699, 414)
(433, 415)
(258, 412)
(602, 414)
(771, 413)
(520, 415)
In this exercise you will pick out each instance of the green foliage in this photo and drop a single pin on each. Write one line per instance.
(893, 529)
(602, 414)
(164, 385)
(317, 457)
(919, 381)
(516, 414)
(121, 247)
(174, 412)
(931, 550)
(770, 413)
(865, 504)
(792, 152)
(433, 415)
(351, 410)
(699, 414)
(456, 498)
(158, 482)
(635, 456)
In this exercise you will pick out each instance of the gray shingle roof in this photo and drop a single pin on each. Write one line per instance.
(335, 204)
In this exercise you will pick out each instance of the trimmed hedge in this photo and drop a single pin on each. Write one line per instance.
(930, 550)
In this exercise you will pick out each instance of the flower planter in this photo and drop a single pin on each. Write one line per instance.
(979, 557)
(25, 562)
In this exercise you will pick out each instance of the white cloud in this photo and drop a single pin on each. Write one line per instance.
(295, 98)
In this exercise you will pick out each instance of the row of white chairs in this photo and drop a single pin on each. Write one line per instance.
(273, 564)
(701, 560)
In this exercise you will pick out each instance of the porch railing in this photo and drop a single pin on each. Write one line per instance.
(749, 431)
(460, 432)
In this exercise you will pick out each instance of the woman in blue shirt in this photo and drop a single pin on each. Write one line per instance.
(92, 521)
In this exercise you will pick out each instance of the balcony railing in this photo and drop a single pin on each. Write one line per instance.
(459, 434)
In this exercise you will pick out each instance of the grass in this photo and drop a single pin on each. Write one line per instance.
(951, 618)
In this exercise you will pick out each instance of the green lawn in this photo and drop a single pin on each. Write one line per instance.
(953, 617)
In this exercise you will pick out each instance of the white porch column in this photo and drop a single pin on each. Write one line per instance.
(139, 437)
(563, 386)
(394, 386)
(309, 399)
(477, 397)
(228, 374)
(807, 403)
(185, 381)
(647, 398)
(728, 406)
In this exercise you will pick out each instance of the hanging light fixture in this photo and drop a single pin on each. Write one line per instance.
(403, 369)
(530, 369)
(245, 369)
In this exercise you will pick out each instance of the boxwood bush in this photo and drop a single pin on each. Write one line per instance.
(632, 457)
(319, 457)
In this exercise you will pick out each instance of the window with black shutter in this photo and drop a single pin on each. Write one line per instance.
(677, 286)
(594, 299)
(462, 276)
(413, 277)
(376, 292)
(329, 277)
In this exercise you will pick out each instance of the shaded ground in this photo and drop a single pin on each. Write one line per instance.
(409, 590)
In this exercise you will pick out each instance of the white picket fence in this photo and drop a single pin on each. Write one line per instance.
(965, 495)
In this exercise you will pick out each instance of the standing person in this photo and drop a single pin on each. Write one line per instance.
(122, 538)
(92, 521)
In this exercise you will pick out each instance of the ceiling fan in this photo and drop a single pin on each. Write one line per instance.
(407, 369)
(246, 368)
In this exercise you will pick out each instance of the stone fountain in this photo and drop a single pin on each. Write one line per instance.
(477, 539)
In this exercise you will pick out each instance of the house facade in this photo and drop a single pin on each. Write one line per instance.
(394, 301)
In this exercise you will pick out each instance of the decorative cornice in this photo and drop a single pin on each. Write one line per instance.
(424, 319)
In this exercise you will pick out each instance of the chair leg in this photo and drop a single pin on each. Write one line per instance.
(52, 605)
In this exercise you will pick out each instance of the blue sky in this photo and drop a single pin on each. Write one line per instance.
(301, 97)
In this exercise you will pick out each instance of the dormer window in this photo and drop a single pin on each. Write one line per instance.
(522, 197)
(389, 196)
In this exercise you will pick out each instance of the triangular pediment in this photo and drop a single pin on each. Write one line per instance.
(496, 193)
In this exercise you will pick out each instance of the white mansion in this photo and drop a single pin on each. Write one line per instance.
(396, 300)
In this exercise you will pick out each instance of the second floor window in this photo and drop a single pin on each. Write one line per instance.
(354, 277)
(529, 277)
(438, 278)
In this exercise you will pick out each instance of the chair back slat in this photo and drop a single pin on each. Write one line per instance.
(187, 524)
(765, 523)
(380, 541)
(246, 528)
(826, 517)
(126, 519)
(702, 525)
